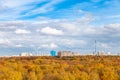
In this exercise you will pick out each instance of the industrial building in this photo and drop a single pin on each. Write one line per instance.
(65, 53)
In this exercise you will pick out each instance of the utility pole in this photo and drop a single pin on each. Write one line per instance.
(95, 47)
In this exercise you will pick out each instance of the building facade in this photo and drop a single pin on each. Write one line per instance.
(65, 53)
(53, 53)
(26, 54)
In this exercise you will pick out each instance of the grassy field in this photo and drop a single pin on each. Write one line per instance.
(65, 68)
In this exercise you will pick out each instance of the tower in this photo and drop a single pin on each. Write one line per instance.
(53, 53)
(95, 47)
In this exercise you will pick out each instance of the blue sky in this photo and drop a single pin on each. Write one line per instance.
(27, 25)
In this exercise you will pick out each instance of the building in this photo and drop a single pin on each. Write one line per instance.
(76, 54)
(53, 53)
(101, 53)
(42, 53)
(25, 54)
(108, 53)
(65, 53)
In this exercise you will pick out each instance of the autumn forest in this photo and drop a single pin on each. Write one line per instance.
(65, 68)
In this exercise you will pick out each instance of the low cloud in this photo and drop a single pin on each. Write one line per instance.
(22, 31)
(59, 35)
(51, 46)
(4, 41)
(51, 31)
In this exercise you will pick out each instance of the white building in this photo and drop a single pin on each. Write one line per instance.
(26, 54)
(100, 53)
(108, 53)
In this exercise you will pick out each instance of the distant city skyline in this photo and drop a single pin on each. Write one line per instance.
(70, 25)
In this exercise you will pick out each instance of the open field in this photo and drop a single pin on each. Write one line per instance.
(65, 68)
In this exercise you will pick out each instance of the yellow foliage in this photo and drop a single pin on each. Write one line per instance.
(66, 68)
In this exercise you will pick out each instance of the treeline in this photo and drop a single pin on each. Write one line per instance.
(65, 68)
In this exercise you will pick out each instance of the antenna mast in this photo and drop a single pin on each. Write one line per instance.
(95, 47)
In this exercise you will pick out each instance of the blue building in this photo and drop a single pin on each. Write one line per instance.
(53, 53)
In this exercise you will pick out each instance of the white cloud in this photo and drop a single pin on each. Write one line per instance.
(90, 30)
(68, 26)
(18, 45)
(63, 30)
(2, 34)
(49, 46)
(85, 20)
(45, 8)
(115, 26)
(44, 45)
(16, 7)
(4, 41)
(53, 45)
(104, 45)
(51, 31)
(22, 31)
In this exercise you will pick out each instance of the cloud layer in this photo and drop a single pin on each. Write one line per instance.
(60, 35)
(59, 24)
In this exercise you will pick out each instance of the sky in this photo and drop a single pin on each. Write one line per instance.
(45, 25)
